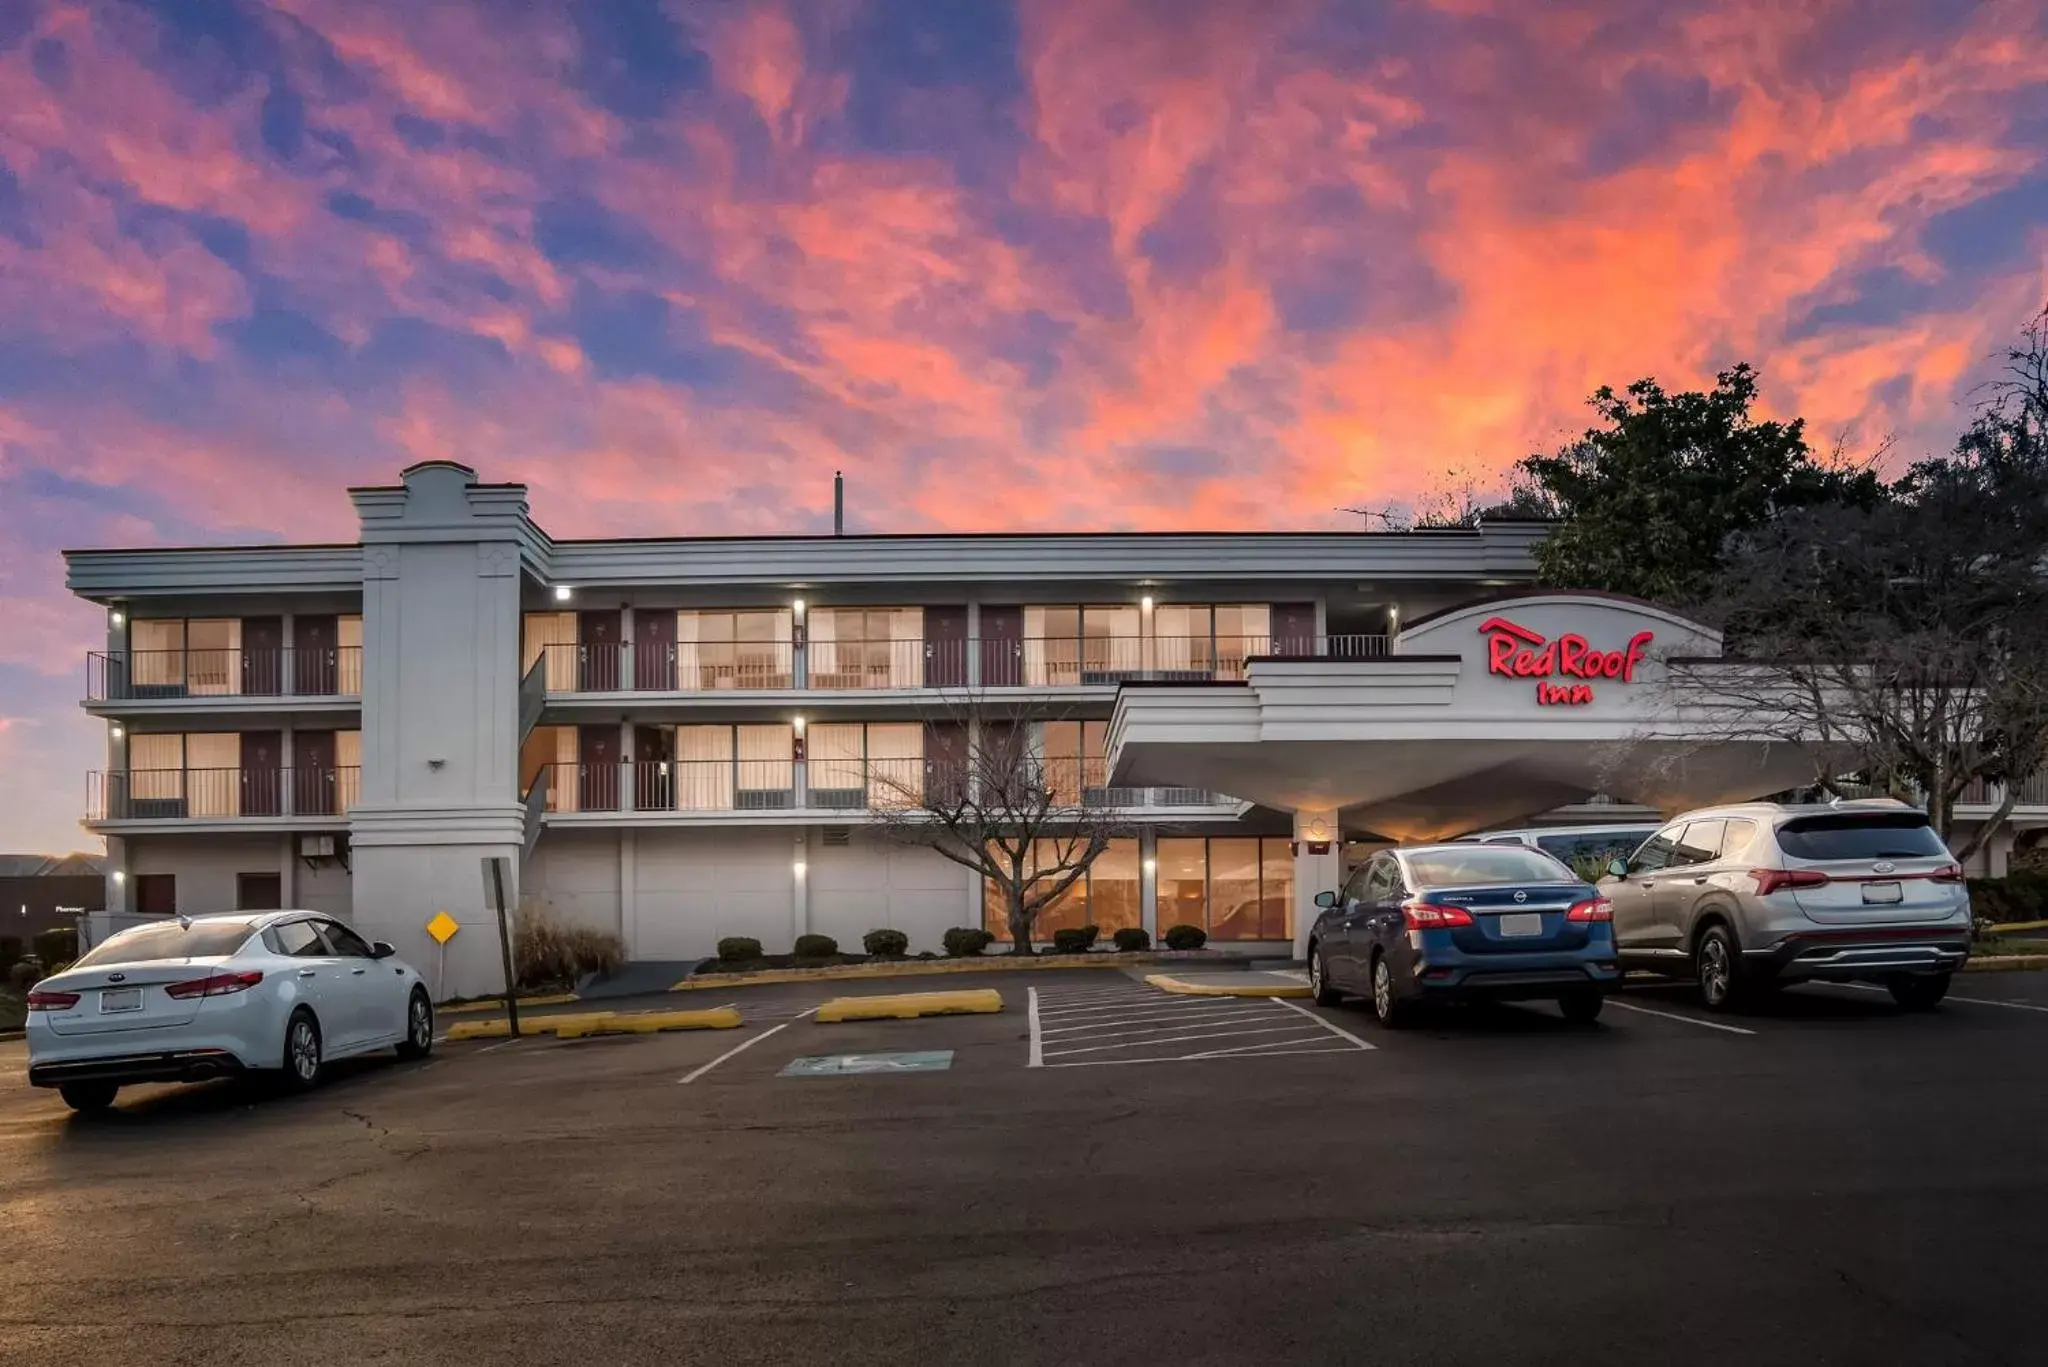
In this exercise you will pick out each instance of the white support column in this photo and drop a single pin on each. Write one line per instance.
(973, 675)
(1148, 882)
(800, 885)
(287, 871)
(626, 675)
(1314, 872)
(120, 893)
(288, 666)
(629, 771)
(629, 889)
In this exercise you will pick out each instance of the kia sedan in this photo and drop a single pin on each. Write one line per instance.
(271, 994)
(1463, 922)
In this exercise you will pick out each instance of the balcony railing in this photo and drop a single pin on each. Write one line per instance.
(828, 785)
(835, 665)
(211, 794)
(2033, 792)
(288, 671)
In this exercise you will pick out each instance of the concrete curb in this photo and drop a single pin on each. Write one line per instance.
(908, 1005)
(2008, 963)
(920, 967)
(574, 1025)
(498, 1003)
(1181, 987)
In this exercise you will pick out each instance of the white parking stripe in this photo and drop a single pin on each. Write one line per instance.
(1145, 1017)
(1973, 1001)
(1674, 1016)
(741, 1048)
(1151, 1001)
(1338, 1032)
(1263, 1049)
(1172, 1039)
(1192, 1058)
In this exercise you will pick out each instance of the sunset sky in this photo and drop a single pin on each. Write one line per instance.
(1008, 263)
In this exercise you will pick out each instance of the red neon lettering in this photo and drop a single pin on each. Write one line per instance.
(1516, 652)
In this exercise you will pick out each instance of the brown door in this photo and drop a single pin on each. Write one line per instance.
(945, 647)
(654, 764)
(597, 635)
(1004, 764)
(156, 894)
(316, 656)
(313, 773)
(262, 773)
(945, 763)
(597, 783)
(654, 651)
(1002, 647)
(259, 892)
(263, 655)
(1294, 629)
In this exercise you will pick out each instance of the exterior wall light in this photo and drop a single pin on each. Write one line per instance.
(117, 732)
(1145, 603)
(563, 593)
(120, 876)
(798, 868)
(797, 607)
(118, 617)
(798, 722)
(1151, 866)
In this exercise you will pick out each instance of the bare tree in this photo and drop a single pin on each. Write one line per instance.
(1908, 639)
(1028, 824)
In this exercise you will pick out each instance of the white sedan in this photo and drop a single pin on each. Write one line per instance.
(273, 993)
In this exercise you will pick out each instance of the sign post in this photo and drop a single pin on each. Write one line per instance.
(442, 928)
(494, 893)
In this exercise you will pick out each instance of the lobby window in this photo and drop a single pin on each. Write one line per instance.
(736, 649)
(866, 647)
(1106, 896)
(1235, 887)
(1082, 644)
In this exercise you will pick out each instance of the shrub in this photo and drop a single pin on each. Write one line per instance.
(59, 946)
(816, 947)
(1131, 939)
(546, 954)
(964, 942)
(1186, 937)
(10, 952)
(1073, 941)
(738, 949)
(2019, 896)
(26, 974)
(885, 944)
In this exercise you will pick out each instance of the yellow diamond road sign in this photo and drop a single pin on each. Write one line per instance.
(443, 927)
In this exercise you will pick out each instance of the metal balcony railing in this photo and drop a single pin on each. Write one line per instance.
(212, 794)
(816, 785)
(137, 675)
(838, 665)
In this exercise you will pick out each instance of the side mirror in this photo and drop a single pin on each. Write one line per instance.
(1617, 868)
(1326, 900)
(381, 950)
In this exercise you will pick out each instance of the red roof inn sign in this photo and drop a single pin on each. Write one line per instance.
(1516, 652)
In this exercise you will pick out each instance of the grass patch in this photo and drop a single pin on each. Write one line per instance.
(2002, 945)
(13, 1009)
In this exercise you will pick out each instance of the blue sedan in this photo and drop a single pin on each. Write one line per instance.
(1464, 922)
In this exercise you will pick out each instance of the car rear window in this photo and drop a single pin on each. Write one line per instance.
(1484, 864)
(1861, 835)
(170, 941)
(1597, 846)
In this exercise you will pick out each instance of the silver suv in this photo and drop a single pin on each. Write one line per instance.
(1755, 896)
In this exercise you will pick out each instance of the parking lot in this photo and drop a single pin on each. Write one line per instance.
(1822, 1179)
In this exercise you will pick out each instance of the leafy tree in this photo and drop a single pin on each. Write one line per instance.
(1648, 499)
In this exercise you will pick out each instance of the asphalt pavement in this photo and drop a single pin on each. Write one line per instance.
(1824, 1180)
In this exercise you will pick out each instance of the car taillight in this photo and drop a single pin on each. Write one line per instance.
(218, 985)
(1769, 881)
(52, 1001)
(1430, 916)
(1592, 909)
(1948, 873)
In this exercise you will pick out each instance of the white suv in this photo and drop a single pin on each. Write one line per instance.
(1762, 894)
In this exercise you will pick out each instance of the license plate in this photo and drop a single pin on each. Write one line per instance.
(1883, 892)
(1522, 923)
(120, 999)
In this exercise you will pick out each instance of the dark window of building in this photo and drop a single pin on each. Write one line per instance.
(156, 894)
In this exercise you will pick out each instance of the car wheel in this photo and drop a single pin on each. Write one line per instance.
(1715, 965)
(1319, 979)
(1388, 1008)
(1581, 1008)
(302, 1059)
(1918, 991)
(419, 1026)
(88, 1098)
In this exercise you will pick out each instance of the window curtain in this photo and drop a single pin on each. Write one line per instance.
(688, 657)
(565, 787)
(213, 655)
(896, 764)
(704, 768)
(906, 648)
(834, 756)
(348, 765)
(765, 764)
(157, 655)
(213, 763)
(552, 633)
(156, 766)
(822, 641)
(348, 635)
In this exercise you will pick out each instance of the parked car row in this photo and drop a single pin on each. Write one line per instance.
(1742, 899)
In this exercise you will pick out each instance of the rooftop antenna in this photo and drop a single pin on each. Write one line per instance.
(838, 504)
